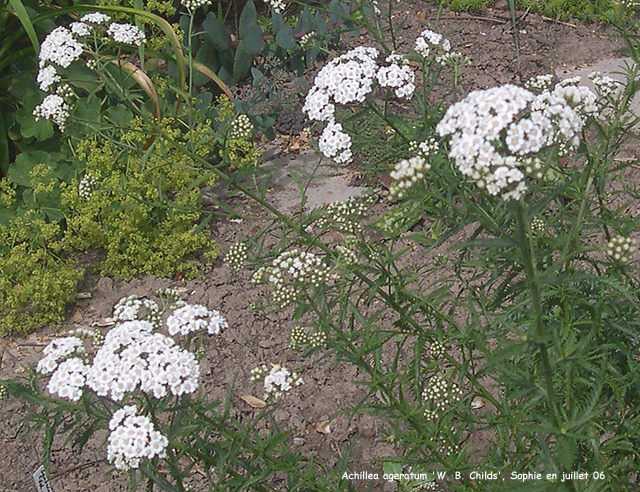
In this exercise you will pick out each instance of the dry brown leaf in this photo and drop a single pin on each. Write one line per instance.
(477, 403)
(253, 401)
(323, 427)
(104, 322)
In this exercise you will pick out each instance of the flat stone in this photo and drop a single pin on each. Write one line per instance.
(306, 182)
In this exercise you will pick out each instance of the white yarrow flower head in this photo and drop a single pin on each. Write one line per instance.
(60, 47)
(291, 273)
(406, 174)
(431, 43)
(126, 34)
(132, 308)
(486, 117)
(194, 317)
(57, 351)
(195, 4)
(277, 380)
(133, 358)
(398, 76)
(47, 76)
(278, 6)
(133, 437)
(68, 379)
(335, 144)
(441, 394)
(80, 28)
(95, 18)
(54, 108)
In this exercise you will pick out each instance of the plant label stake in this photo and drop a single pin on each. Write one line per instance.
(41, 480)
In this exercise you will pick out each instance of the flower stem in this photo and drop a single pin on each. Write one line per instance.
(528, 254)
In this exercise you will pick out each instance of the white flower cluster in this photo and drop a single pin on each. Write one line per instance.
(133, 357)
(132, 438)
(63, 360)
(47, 77)
(300, 338)
(346, 216)
(488, 116)
(68, 379)
(452, 59)
(605, 86)
(194, 317)
(97, 18)
(406, 174)
(291, 271)
(195, 4)
(236, 255)
(308, 40)
(347, 256)
(59, 47)
(241, 128)
(86, 185)
(133, 308)
(278, 6)
(57, 351)
(277, 380)
(539, 83)
(53, 107)
(398, 75)
(126, 34)
(425, 148)
(80, 29)
(620, 248)
(441, 394)
(344, 80)
(538, 225)
(335, 143)
(437, 349)
(429, 42)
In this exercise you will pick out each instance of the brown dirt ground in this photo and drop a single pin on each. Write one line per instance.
(254, 338)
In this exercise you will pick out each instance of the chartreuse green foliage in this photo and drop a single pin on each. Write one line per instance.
(35, 282)
(141, 206)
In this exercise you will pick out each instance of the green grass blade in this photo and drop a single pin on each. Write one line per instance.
(21, 13)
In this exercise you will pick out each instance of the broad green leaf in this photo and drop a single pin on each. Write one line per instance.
(29, 127)
(242, 62)
(278, 22)
(248, 19)
(253, 40)
(284, 38)
(215, 32)
(119, 115)
(305, 21)
(24, 163)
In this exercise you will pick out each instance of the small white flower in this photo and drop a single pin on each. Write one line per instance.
(192, 318)
(95, 18)
(47, 76)
(277, 380)
(133, 437)
(80, 29)
(126, 34)
(59, 47)
(53, 107)
(194, 4)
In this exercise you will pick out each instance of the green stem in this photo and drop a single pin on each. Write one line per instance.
(528, 254)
